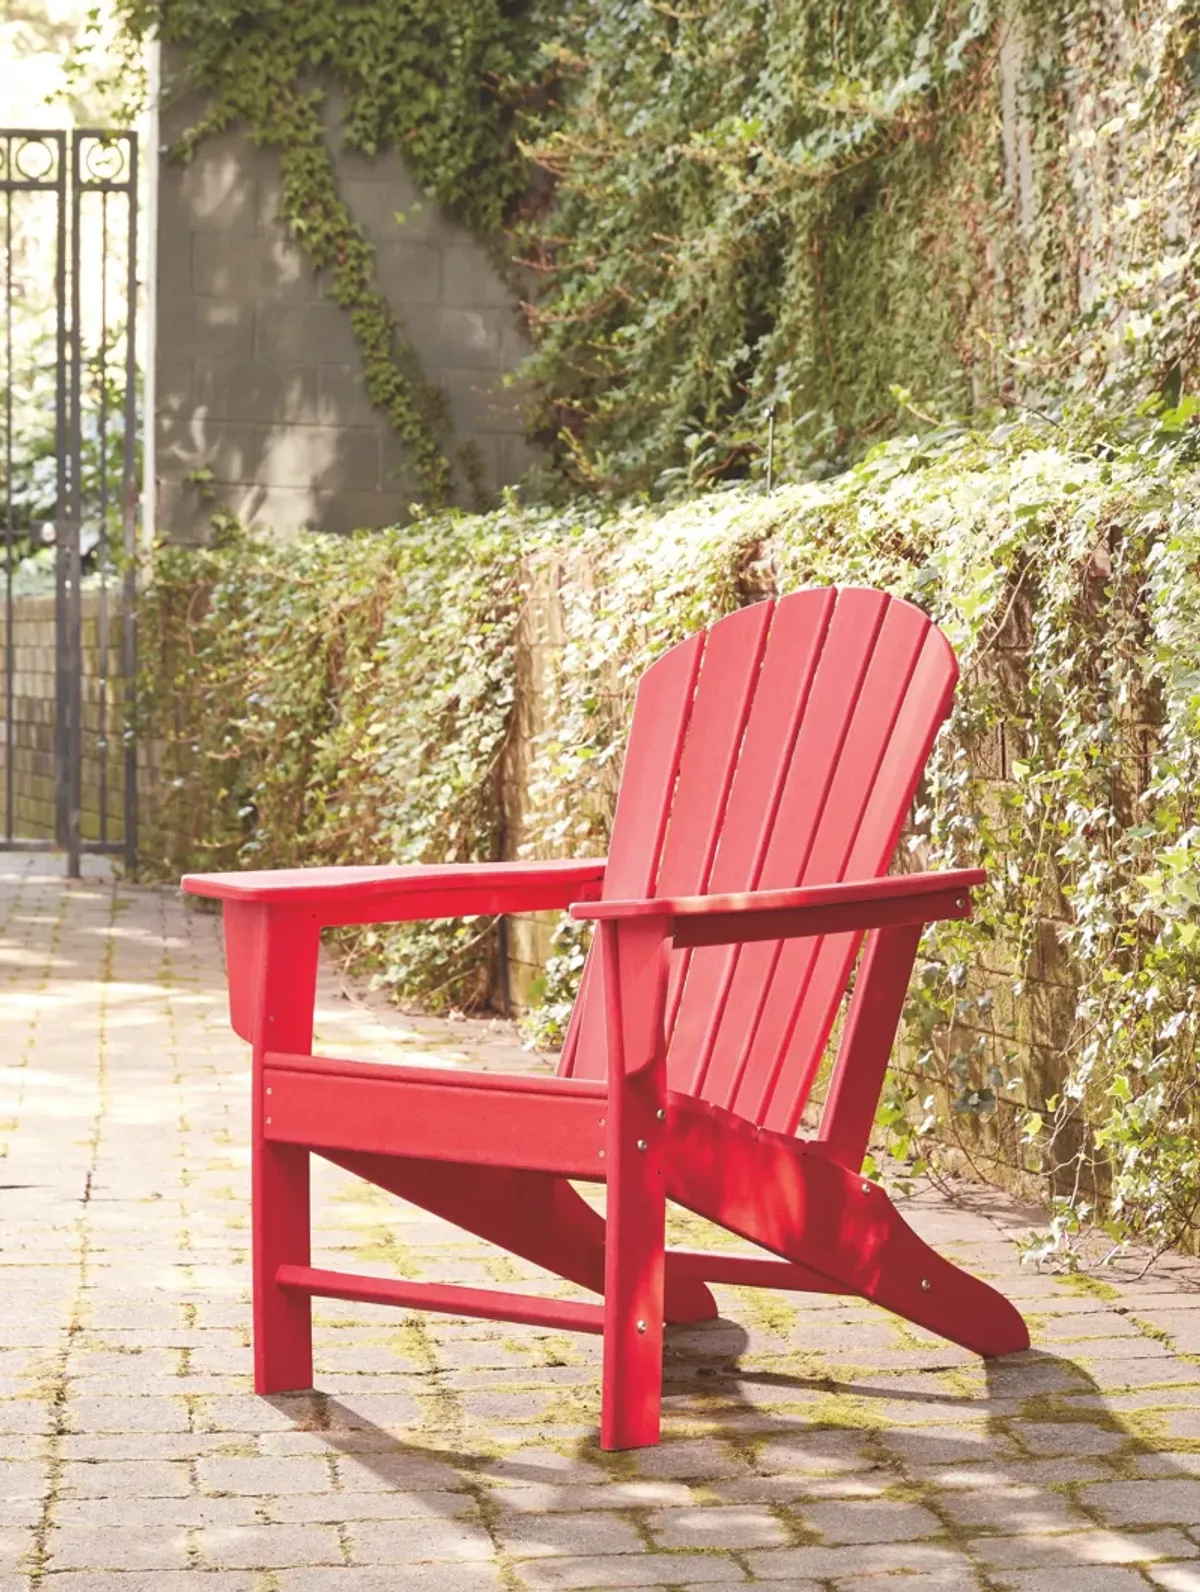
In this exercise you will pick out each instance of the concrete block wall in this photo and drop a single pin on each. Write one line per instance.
(259, 378)
(103, 762)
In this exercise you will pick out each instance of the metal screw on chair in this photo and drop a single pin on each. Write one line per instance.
(643, 1146)
(660, 1115)
(270, 1091)
(268, 1122)
(925, 1284)
(641, 1326)
(866, 1188)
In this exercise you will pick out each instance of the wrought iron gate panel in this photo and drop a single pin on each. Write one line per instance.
(88, 178)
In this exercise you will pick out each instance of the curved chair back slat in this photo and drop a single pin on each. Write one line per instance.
(781, 747)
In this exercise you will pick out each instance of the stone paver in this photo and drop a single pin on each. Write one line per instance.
(808, 1442)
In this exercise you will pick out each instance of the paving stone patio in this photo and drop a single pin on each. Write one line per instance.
(809, 1442)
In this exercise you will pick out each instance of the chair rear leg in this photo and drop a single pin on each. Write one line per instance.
(282, 1317)
(793, 1200)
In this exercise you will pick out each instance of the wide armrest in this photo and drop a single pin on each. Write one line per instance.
(403, 892)
(805, 911)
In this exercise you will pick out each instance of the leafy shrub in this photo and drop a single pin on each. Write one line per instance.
(353, 700)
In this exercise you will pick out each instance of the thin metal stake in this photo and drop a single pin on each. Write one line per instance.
(9, 647)
(61, 506)
(102, 546)
(129, 505)
(74, 616)
(505, 964)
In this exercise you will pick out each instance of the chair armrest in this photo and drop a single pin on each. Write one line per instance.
(406, 892)
(806, 911)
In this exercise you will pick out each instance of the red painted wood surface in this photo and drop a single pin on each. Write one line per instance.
(827, 702)
(863, 1055)
(536, 1215)
(913, 890)
(412, 1111)
(747, 1271)
(339, 888)
(281, 987)
(770, 766)
(634, 983)
(784, 1195)
(490, 1303)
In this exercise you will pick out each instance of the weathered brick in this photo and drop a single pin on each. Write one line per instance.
(440, 1577)
(643, 1570)
(1076, 1578)
(728, 1527)
(418, 1541)
(267, 1547)
(1146, 1503)
(799, 1565)
(1012, 1510)
(116, 1547)
(1174, 1577)
(595, 1532)
(264, 1477)
(1093, 1547)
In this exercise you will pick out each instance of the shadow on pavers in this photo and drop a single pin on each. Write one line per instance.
(1010, 1464)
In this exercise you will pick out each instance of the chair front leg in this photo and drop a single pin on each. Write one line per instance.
(283, 985)
(635, 1146)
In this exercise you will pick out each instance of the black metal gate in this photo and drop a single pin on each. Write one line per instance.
(69, 491)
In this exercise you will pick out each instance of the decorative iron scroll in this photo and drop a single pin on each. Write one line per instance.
(32, 160)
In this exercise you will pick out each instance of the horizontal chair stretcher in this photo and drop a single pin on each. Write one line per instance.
(489, 1303)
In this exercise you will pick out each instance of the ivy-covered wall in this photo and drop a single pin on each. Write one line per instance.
(264, 403)
(852, 218)
(831, 210)
(460, 687)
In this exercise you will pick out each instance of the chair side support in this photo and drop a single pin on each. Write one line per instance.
(272, 957)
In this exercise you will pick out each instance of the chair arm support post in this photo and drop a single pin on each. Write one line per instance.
(271, 958)
(866, 1047)
(633, 965)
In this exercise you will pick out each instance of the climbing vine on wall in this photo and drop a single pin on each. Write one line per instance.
(353, 699)
(437, 79)
(741, 206)
(810, 207)
(337, 700)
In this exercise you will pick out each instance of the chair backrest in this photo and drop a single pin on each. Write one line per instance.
(781, 747)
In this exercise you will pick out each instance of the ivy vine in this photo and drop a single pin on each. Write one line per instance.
(750, 207)
(356, 699)
(800, 209)
(434, 79)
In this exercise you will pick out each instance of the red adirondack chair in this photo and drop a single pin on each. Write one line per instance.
(771, 763)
